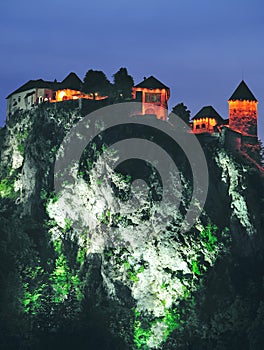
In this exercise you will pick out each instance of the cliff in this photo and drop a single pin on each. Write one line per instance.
(68, 282)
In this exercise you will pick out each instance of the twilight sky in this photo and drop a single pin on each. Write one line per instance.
(200, 49)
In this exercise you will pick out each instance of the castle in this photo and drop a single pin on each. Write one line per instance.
(239, 128)
(35, 92)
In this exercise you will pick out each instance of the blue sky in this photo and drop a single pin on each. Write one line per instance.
(200, 49)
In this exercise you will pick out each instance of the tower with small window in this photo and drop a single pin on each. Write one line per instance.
(243, 112)
(154, 97)
(206, 120)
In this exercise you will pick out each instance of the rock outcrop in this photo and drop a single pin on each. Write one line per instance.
(68, 279)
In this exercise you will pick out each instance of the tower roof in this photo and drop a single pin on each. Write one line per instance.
(33, 84)
(72, 81)
(151, 83)
(208, 112)
(242, 93)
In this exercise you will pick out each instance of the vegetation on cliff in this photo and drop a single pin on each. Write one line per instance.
(66, 283)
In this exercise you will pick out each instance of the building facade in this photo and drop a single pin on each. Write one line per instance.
(35, 92)
(243, 110)
(206, 120)
(154, 97)
(242, 117)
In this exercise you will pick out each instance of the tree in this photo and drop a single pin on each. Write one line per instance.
(261, 152)
(96, 82)
(182, 112)
(123, 83)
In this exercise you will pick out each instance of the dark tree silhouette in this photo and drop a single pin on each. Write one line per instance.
(96, 82)
(182, 112)
(261, 145)
(123, 83)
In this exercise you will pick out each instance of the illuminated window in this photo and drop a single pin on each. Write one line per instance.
(152, 97)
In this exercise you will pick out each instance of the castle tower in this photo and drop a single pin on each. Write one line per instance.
(243, 111)
(154, 96)
(206, 120)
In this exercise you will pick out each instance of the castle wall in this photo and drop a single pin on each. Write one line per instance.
(22, 100)
(232, 139)
(27, 99)
(204, 125)
(154, 101)
(69, 94)
(243, 116)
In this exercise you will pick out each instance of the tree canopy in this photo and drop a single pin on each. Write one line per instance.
(181, 111)
(123, 83)
(96, 82)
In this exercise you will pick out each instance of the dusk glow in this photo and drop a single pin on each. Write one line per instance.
(200, 50)
(132, 175)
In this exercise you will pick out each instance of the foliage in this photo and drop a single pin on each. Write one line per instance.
(46, 196)
(133, 272)
(21, 138)
(7, 187)
(172, 321)
(181, 111)
(81, 255)
(141, 335)
(54, 290)
(34, 295)
(195, 267)
(123, 83)
(261, 153)
(209, 238)
(63, 278)
(96, 82)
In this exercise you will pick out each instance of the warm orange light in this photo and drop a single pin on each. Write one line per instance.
(60, 95)
(68, 94)
(243, 116)
(159, 107)
(203, 125)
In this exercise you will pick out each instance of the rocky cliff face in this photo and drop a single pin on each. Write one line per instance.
(68, 280)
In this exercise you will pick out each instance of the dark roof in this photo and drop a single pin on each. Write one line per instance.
(72, 81)
(30, 93)
(33, 84)
(151, 83)
(208, 112)
(242, 93)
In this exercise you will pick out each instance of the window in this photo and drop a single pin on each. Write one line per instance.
(197, 126)
(19, 98)
(139, 96)
(203, 126)
(152, 97)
